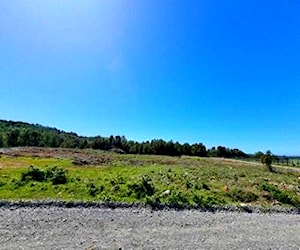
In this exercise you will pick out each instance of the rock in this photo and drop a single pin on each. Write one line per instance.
(165, 193)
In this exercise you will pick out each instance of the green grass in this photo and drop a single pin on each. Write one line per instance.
(179, 181)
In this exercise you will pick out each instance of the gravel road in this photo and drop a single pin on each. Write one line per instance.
(142, 228)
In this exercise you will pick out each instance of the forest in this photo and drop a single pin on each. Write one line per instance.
(16, 134)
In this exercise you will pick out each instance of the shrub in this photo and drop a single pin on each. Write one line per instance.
(17, 183)
(33, 174)
(92, 189)
(200, 185)
(56, 175)
(206, 199)
(2, 183)
(242, 195)
(267, 159)
(189, 184)
(279, 195)
(143, 188)
(177, 199)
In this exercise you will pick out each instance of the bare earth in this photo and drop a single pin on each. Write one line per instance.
(141, 228)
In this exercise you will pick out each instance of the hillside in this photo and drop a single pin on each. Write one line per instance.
(15, 134)
(91, 175)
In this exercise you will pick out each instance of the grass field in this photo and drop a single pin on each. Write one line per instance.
(177, 181)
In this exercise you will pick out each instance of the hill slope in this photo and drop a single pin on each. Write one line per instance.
(93, 175)
(13, 134)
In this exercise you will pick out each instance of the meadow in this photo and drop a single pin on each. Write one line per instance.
(98, 176)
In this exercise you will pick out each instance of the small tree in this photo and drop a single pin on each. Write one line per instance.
(258, 155)
(267, 159)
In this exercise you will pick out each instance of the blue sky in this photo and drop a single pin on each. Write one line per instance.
(219, 72)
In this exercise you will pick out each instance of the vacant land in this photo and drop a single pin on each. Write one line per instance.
(89, 175)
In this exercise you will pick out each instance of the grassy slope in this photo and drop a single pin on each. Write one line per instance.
(131, 178)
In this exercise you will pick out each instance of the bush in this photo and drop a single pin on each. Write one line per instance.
(55, 175)
(279, 195)
(267, 159)
(200, 185)
(206, 199)
(143, 188)
(33, 174)
(17, 183)
(177, 199)
(2, 183)
(239, 195)
(92, 189)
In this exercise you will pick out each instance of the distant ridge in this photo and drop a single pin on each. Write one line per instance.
(17, 133)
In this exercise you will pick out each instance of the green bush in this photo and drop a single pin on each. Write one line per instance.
(54, 174)
(177, 198)
(92, 189)
(206, 199)
(33, 174)
(15, 184)
(2, 183)
(189, 184)
(200, 185)
(279, 195)
(143, 188)
(240, 195)
(267, 159)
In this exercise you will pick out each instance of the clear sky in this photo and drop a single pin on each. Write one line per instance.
(221, 72)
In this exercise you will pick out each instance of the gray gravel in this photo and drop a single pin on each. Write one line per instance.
(142, 228)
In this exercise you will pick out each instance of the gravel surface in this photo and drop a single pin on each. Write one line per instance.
(142, 228)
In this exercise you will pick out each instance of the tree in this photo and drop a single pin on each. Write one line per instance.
(186, 148)
(198, 149)
(267, 159)
(258, 155)
(12, 137)
(1, 140)
(222, 152)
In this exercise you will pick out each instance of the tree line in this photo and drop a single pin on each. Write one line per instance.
(14, 134)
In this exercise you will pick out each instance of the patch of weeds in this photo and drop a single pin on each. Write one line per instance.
(120, 180)
(188, 183)
(279, 195)
(32, 184)
(143, 188)
(205, 186)
(74, 179)
(201, 185)
(153, 201)
(2, 183)
(116, 188)
(17, 183)
(113, 182)
(177, 199)
(116, 183)
(44, 188)
(55, 175)
(240, 195)
(206, 200)
(169, 176)
(33, 174)
(93, 190)
(107, 198)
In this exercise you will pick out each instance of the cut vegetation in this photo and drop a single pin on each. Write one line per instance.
(90, 175)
